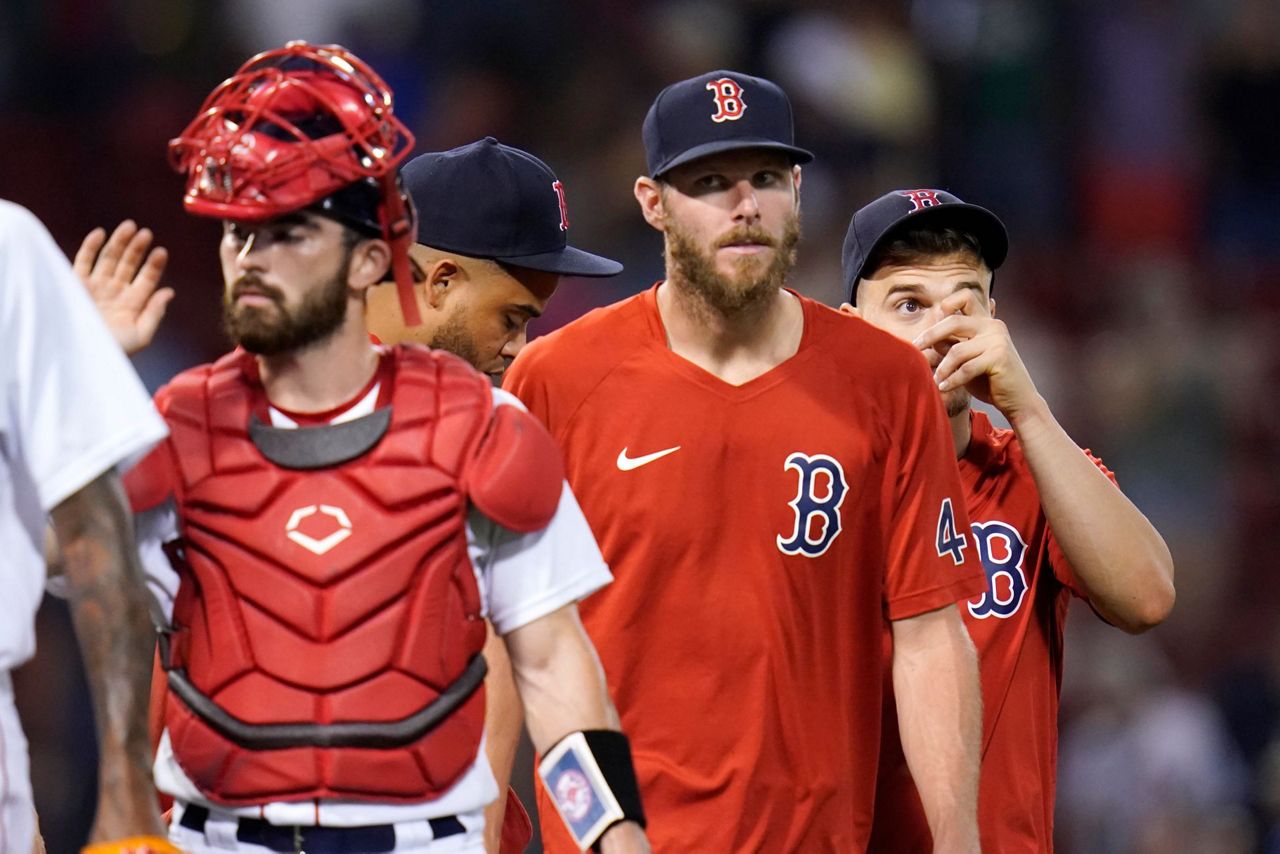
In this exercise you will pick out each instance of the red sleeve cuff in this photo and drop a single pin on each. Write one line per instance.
(914, 604)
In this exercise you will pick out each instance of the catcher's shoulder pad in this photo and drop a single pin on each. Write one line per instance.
(150, 483)
(516, 474)
(184, 405)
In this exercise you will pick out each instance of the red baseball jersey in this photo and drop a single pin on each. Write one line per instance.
(760, 535)
(1017, 628)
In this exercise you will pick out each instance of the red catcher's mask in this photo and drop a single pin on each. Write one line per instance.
(288, 129)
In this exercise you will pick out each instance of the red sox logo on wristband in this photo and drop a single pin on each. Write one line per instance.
(728, 98)
(921, 199)
(564, 207)
(579, 790)
(573, 793)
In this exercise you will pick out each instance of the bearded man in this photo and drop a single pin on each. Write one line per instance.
(332, 523)
(768, 480)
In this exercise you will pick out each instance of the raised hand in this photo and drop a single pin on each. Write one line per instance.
(122, 277)
(978, 353)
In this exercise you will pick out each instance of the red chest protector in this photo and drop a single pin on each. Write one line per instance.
(326, 632)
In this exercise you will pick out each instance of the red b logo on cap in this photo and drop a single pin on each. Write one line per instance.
(921, 199)
(729, 103)
(564, 207)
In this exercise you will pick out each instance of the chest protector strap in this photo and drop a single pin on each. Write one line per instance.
(285, 735)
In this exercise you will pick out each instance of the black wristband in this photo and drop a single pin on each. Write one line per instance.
(592, 782)
(612, 751)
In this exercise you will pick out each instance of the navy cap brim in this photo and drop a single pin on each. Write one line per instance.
(567, 262)
(798, 155)
(982, 223)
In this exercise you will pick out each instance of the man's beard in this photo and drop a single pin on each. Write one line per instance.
(452, 336)
(270, 331)
(753, 281)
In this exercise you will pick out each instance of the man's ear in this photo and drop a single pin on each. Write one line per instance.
(649, 194)
(442, 279)
(849, 308)
(370, 262)
(991, 306)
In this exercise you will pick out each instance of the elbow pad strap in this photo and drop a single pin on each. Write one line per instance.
(592, 783)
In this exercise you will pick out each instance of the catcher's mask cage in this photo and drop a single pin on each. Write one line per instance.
(303, 126)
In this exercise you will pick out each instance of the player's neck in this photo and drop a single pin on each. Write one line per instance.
(736, 348)
(961, 432)
(323, 375)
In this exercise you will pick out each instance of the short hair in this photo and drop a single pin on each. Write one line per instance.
(913, 245)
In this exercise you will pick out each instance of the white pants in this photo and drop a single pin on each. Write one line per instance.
(17, 811)
(219, 835)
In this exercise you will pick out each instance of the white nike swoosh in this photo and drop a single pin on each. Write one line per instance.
(626, 463)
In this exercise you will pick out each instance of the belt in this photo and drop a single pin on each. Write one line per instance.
(314, 839)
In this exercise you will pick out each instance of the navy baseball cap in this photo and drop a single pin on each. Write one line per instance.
(489, 200)
(718, 111)
(873, 226)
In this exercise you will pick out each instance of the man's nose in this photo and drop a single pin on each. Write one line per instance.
(515, 344)
(747, 205)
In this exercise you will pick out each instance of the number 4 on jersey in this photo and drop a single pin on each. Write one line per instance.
(950, 541)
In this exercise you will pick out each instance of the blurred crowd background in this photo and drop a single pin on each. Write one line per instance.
(1132, 147)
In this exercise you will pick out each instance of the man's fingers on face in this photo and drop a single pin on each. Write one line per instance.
(962, 364)
(963, 301)
(967, 372)
(951, 329)
(952, 357)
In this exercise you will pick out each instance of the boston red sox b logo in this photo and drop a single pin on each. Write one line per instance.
(564, 207)
(821, 491)
(728, 97)
(921, 199)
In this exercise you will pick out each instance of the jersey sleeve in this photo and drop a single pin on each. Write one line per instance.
(1062, 569)
(76, 407)
(928, 563)
(525, 576)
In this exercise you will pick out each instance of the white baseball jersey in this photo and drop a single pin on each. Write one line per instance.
(71, 408)
(521, 577)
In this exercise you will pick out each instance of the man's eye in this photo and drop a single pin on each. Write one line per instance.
(909, 306)
(767, 178)
(709, 182)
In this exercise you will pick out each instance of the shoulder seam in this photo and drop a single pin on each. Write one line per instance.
(587, 395)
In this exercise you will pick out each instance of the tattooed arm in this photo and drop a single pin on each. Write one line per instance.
(108, 606)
